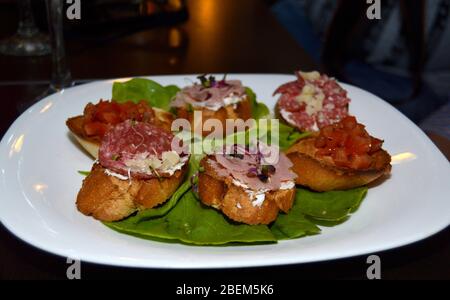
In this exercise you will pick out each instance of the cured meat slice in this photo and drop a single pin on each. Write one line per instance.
(312, 101)
(248, 167)
(246, 189)
(215, 95)
(135, 142)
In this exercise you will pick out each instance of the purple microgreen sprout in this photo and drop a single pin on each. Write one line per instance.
(210, 81)
(252, 172)
(194, 182)
(263, 178)
(268, 170)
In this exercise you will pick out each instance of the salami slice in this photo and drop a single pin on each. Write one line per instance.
(312, 101)
(136, 142)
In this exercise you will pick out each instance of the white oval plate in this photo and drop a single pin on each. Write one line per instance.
(39, 184)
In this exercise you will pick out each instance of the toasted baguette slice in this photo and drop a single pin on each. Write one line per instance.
(92, 144)
(108, 198)
(241, 110)
(323, 175)
(235, 203)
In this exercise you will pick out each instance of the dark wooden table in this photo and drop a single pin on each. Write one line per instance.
(235, 36)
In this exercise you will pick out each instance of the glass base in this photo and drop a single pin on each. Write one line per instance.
(42, 93)
(18, 45)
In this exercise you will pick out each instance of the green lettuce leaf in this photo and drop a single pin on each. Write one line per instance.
(159, 211)
(190, 222)
(259, 109)
(293, 225)
(288, 136)
(331, 206)
(138, 89)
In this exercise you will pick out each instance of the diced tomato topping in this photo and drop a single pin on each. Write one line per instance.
(324, 152)
(340, 157)
(349, 122)
(100, 117)
(320, 142)
(356, 144)
(375, 144)
(362, 161)
(109, 117)
(348, 143)
(95, 128)
(327, 131)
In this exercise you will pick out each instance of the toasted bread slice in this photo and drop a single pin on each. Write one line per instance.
(234, 202)
(323, 175)
(241, 110)
(108, 198)
(92, 144)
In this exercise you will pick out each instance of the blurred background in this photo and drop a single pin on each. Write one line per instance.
(401, 57)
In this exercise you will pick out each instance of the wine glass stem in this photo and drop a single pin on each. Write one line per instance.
(27, 27)
(61, 77)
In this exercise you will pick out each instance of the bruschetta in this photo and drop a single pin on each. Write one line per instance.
(246, 189)
(338, 157)
(311, 102)
(218, 100)
(137, 169)
(89, 128)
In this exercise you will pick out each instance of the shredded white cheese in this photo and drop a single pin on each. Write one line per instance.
(169, 163)
(314, 75)
(257, 197)
(287, 185)
(259, 200)
(231, 99)
(312, 97)
(287, 116)
(113, 174)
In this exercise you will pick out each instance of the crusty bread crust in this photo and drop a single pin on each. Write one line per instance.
(322, 175)
(108, 198)
(92, 144)
(234, 202)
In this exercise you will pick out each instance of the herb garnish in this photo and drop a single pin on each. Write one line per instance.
(210, 81)
(156, 173)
